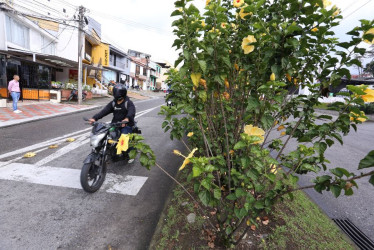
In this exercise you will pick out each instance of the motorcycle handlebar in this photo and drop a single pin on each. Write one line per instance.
(111, 124)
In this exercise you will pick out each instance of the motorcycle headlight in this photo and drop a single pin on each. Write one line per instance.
(96, 139)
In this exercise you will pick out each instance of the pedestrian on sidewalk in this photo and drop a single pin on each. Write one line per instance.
(15, 92)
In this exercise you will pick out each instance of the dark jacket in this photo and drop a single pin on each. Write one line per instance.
(119, 111)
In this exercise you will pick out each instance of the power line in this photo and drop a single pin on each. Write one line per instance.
(72, 33)
(60, 21)
(33, 9)
(75, 7)
(55, 39)
(356, 10)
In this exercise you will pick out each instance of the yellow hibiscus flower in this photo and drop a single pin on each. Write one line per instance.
(370, 31)
(207, 2)
(283, 133)
(369, 97)
(326, 3)
(223, 25)
(315, 29)
(238, 3)
(337, 11)
(243, 14)
(255, 131)
(272, 77)
(186, 159)
(273, 169)
(357, 117)
(190, 134)
(203, 23)
(281, 127)
(246, 44)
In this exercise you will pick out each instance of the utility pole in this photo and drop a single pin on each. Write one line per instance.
(82, 10)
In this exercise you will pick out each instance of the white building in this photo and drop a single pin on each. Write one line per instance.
(37, 49)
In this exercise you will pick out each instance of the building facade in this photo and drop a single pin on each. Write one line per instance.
(119, 66)
(38, 50)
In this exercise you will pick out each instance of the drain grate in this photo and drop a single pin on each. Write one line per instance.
(356, 235)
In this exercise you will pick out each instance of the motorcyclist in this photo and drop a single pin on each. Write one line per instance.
(123, 109)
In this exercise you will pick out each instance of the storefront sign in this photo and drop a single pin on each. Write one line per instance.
(73, 75)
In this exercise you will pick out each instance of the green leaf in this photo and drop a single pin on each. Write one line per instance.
(143, 159)
(226, 60)
(367, 161)
(348, 192)
(336, 190)
(176, 13)
(371, 181)
(240, 145)
(267, 121)
(253, 103)
(217, 193)
(259, 205)
(186, 54)
(202, 65)
(206, 184)
(337, 172)
(239, 192)
(338, 137)
(196, 171)
(164, 124)
(204, 197)
(231, 197)
(133, 154)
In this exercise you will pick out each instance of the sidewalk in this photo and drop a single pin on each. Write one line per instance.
(39, 110)
(34, 111)
(334, 114)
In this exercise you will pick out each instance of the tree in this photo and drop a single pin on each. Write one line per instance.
(238, 59)
(370, 68)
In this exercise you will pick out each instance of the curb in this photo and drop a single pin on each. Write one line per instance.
(39, 118)
(335, 113)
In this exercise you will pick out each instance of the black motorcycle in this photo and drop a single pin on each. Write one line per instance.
(104, 138)
(74, 95)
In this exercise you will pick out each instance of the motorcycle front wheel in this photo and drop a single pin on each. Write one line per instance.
(92, 176)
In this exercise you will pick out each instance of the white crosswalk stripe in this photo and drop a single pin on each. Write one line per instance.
(38, 173)
(69, 178)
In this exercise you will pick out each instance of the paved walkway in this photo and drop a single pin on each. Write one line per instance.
(38, 111)
(34, 110)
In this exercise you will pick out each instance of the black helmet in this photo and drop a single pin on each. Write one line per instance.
(119, 91)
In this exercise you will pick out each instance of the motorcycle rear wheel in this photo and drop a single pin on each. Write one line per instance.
(91, 177)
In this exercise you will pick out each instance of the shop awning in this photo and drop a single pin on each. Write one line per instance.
(89, 66)
(52, 60)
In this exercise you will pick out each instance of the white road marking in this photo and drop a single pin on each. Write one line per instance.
(78, 143)
(57, 140)
(69, 178)
(60, 138)
(43, 144)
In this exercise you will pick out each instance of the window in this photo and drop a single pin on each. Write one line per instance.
(127, 63)
(144, 72)
(137, 70)
(17, 33)
(48, 46)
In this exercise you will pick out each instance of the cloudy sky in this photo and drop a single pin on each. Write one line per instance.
(146, 25)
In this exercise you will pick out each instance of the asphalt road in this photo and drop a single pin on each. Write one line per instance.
(43, 207)
(359, 207)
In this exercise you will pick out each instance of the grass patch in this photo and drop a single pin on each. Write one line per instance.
(297, 224)
(302, 225)
(322, 106)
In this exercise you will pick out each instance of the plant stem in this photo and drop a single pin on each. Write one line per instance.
(188, 193)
